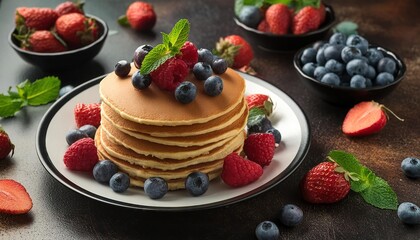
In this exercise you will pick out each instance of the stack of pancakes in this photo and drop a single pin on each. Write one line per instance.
(148, 133)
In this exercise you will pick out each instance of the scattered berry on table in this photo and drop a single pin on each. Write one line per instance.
(73, 135)
(202, 70)
(189, 54)
(197, 183)
(81, 155)
(260, 147)
(140, 81)
(276, 133)
(411, 167)
(64, 90)
(267, 230)
(6, 146)
(104, 170)
(140, 16)
(170, 74)
(235, 50)
(238, 172)
(89, 113)
(205, 55)
(122, 68)
(14, 199)
(119, 182)
(213, 86)
(186, 92)
(290, 215)
(140, 53)
(409, 213)
(90, 130)
(219, 65)
(155, 187)
(250, 16)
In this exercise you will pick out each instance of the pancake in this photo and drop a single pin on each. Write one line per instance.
(153, 106)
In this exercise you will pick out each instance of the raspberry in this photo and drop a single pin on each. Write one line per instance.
(189, 54)
(238, 171)
(87, 114)
(170, 74)
(81, 155)
(259, 147)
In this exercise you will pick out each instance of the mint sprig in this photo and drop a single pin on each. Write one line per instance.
(170, 46)
(374, 190)
(41, 91)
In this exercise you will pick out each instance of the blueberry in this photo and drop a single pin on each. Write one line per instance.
(350, 53)
(140, 53)
(276, 133)
(331, 79)
(338, 38)
(357, 67)
(334, 66)
(308, 55)
(309, 69)
(119, 182)
(318, 44)
(371, 73)
(384, 79)
(359, 42)
(202, 70)
(219, 65)
(409, 213)
(320, 58)
(104, 170)
(64, 90)
(358, 81)
(155, 187)
(373, 55)
(258, 124)
(185, 92)
(369, 83)
(90, 130)
(291, 215)
(250, 16)
(333, 52)
(267, 230)
(205, 55)
(411, 167)
(386, 64)
(140, 81)
(197, 183)
(122, 68)
(319, 72)
(73, 135)
(213, 86)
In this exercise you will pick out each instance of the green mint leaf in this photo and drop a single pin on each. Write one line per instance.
(123, 21)
(271, 2)
(255, 114)
(346, 27)
(346, 161)
(156, 57)
(179, 35)
(365, 180)
(43, 91)
(166, 40)
(9, 106)
(380, 195)
(23, 89)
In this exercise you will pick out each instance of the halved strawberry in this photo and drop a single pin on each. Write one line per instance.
(366, 118)
(261, 101)
(14, 199)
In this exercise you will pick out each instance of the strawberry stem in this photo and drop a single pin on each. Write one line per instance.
(389, 110)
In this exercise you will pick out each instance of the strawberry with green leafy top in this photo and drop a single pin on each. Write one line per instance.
(42, 41)
(76, 29)
(259, 100)
(309, 16)
(69, 7)
(235, 50)
(34, 18)
(278, 18)
(139, 15)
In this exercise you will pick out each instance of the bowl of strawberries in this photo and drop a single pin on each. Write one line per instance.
(57, 39)
(284, 26)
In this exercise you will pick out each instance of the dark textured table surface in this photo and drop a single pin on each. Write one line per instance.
(60, 213)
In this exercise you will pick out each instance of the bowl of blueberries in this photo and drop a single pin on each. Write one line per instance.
(346, 70)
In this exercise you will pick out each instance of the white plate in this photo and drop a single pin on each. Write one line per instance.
(288, 118)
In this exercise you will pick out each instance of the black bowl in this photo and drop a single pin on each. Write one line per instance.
(66, 59)
(289, 42)
(346, 95)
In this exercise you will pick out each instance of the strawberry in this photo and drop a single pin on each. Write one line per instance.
(170, 74)
(33, 18)
(140, 16)
(81, 155)
(85, 114)
(263, 26)
(69, 7)
(238, 172)
(366, 118)
(43, 41)
(235, 50)
(260, 101)
(278, 18)
(76, 29)
(14, 199)
(259, 148)
(322, 184)
(189, 54)
(6, 146)
(307, 19)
